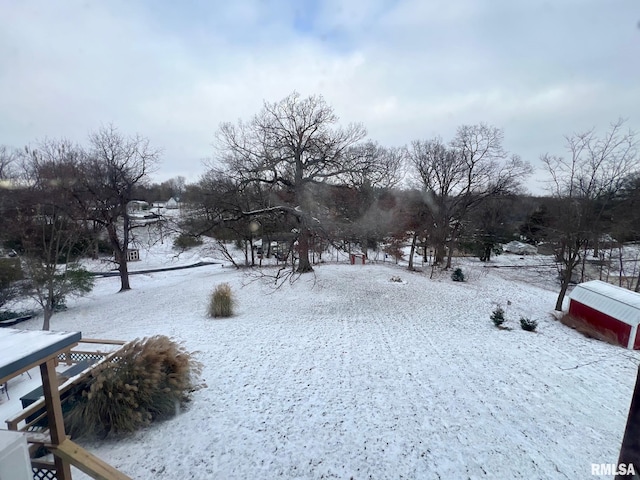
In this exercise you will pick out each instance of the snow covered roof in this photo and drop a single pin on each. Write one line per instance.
(617, 302)
(21, 348)
(520, 248)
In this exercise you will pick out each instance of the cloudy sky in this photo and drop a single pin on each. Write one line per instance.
(406, 69)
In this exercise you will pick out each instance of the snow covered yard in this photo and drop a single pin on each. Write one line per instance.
(346, 374)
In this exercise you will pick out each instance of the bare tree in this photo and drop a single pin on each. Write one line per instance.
(44, 225)
(627, 214)
(112, 167)
(289, 147)
(219, 207)
(8, 163)
(177, 186)
(8, 180)
(460, 176)
(584, 184)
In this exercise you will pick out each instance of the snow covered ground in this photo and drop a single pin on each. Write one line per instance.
(346, 374)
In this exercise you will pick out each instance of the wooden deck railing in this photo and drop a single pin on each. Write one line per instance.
(27, 419)
(90, 464)
(72, 356)
(14, 421)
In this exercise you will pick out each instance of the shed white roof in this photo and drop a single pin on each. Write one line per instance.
(616, 302)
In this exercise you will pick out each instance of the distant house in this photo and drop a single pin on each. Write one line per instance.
(612, 311)
(171, 203)
(137, 206)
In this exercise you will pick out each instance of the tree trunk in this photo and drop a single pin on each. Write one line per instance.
(121, 257)
(304, 265)
(449, 254)
(563, 291)
(570, 264)
(47, 313)
(584, 262)
(621, 264)
(439, 252)
(123, 268)
(312, 248)
(413, 250)
(485, 256)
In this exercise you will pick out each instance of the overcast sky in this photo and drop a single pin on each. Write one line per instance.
(406, 69)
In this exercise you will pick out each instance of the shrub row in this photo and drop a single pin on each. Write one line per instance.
(498, 318)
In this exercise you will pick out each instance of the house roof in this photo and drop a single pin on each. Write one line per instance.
(616, 302)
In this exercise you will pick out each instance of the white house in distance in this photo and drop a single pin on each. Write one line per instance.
(612, 311)
(172, 203)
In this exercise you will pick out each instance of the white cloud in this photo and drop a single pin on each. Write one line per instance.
(406, 69)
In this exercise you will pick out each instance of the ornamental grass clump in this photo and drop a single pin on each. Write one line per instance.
(149, 379)
(221, 303)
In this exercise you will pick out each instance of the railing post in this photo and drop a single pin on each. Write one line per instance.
(54, 414)
(630, 449)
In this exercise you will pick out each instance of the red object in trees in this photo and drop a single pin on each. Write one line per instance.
(355, 256)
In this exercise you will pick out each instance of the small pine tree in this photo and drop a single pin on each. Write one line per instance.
(457, 275)
(497, 316)
(221, 303)
(528, 324)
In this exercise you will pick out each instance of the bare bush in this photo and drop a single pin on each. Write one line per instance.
(152, 379)
(222, 301)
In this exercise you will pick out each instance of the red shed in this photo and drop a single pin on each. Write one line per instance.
(608, 308)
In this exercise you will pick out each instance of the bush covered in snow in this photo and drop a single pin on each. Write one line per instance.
(520, 248)
(151, 379)
(222, 302)
(528, 324)
(497, 316)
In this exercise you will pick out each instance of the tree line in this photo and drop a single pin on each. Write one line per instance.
(61, 201)
(293, 174)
